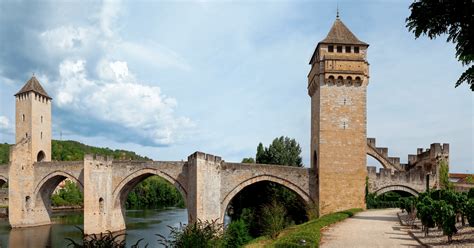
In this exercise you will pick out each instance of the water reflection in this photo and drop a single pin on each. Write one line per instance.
(141, 224)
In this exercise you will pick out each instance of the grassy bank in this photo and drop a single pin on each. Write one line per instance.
(310, 232)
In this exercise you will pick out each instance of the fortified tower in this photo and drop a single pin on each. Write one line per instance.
(33, 144)
(337, 84)
(33, 119)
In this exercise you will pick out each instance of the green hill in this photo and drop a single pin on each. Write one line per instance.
(74, 151)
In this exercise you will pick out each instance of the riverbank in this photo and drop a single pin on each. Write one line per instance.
(308, 234)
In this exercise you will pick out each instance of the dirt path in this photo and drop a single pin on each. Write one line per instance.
(372, 228)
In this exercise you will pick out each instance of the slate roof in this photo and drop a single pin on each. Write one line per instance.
(340, 34)
(33, 85)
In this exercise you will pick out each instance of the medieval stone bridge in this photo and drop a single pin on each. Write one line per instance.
(206, 182)
(337, 85)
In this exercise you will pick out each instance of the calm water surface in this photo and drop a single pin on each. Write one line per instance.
(140, 224)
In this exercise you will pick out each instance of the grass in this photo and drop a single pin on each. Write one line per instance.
(310, 232)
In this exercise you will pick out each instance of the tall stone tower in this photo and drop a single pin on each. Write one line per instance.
(33, 119)
(337, 85)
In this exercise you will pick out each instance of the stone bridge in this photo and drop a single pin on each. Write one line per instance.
(410, 177)
(206, 182)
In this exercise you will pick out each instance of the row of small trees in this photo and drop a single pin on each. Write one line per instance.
(441, 208)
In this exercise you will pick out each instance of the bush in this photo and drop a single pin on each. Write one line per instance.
(274, 219)
(197, 235)
(103, 240)
(448, 219)
(236, 234)
(469, 211)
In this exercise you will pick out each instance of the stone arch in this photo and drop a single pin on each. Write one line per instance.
(41, 155)
(128, 183)
(3, 180)
(46, 186)
(270, 178)
(386, 164)
(396, 188)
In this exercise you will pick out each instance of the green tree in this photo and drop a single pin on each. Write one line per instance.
(249, 160)
(454, 18)
(444, 175)
(282, 151)
(236, 234)
(274, 219)
(69, 195)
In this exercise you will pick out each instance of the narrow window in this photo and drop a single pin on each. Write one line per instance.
(331, 49)
(344, 101)
(101, 205)
(41, 135)
(27, 202)
(344, 125)
(339, 49)
(41, 119)
(356, 49)
(23, 117)
(26, 135)
(348, 49)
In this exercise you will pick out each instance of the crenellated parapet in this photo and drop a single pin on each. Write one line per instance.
(411, 176)
(413, 181)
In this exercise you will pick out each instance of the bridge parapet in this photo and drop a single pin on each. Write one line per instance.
(413, 181)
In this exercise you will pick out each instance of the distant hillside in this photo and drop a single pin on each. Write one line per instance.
(73, 151)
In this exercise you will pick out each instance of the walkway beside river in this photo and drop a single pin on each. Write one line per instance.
(372, 228)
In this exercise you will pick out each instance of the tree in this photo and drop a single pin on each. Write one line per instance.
(249, 160)
(444, 175)
(282, 151)
(454, 18)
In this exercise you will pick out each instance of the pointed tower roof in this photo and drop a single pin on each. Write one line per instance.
(340, 34)
(33, 85)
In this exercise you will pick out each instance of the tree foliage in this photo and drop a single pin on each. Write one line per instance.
(4, 153)
(249, 160)
(200, 234)
(69, 195)
(454, 18)
(282, 151)
(154, 192)
(444, 175)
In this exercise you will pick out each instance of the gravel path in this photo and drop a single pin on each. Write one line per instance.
(372, 228)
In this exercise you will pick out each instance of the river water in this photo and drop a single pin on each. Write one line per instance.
(140, 224)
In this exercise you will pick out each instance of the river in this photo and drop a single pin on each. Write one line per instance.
(140, 224)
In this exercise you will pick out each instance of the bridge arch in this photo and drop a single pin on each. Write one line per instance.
(3, 180)
(372, 153)
(46, 186)
(127, 184)
(269, 178)
(396, 188)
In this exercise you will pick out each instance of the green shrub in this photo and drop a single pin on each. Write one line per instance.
(469, 210)
(197, 235)
(236, 234)
(470, 194)
(274, 219)
(448, 219)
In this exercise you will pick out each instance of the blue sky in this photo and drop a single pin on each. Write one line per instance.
(166, 79)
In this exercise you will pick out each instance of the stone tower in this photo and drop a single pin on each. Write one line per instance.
(337, 84)
(33, 144)
(33, 119)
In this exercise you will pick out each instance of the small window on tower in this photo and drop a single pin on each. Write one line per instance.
(331, 49)
(348, 49)
(356, 49)
(41, 136)
(23, 117)
(339, 49)
(41, 119)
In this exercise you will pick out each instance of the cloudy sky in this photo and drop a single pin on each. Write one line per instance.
(166, 79)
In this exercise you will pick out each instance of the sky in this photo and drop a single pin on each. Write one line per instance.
(168, 78)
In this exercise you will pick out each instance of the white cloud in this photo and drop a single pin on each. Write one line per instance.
(5, 125)
(117, 98)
